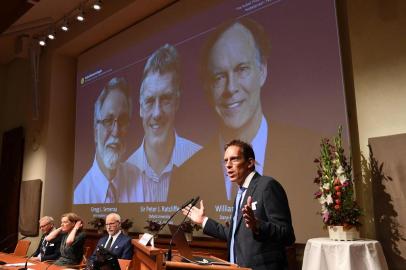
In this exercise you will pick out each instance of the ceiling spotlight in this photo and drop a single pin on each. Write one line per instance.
(51, 35)
(97, 5)
(64, 25)
(80, 16)
(41, 41)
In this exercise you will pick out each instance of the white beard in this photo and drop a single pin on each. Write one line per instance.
(111, 159)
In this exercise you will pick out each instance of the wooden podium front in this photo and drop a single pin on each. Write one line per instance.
(151, 258)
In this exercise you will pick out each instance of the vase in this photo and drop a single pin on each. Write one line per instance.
(341, 234)
(189, 236)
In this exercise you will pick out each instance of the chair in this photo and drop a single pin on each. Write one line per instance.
(83, 262)
(22, 248)
(86, 255)
(124, 264)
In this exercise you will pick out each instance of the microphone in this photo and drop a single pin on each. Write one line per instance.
(187, 203)
(26, 263)
(169, 254)
(192, 201)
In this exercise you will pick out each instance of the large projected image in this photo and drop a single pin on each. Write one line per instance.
(157, 103)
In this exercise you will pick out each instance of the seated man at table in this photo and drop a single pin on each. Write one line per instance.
(47, 250)
(116, 242)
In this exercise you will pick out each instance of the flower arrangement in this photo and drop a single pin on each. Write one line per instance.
(97, 223)
(336, 186)
(152, 226)
(188, 226)
(126, 224)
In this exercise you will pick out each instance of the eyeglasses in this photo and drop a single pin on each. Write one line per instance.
(121, 122)
(112, 223)
(43, 226)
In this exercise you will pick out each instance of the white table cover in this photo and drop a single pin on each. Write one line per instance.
(326, 254)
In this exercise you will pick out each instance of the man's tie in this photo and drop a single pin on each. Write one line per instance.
(237, 206)
(108, 245)
(111, 196)
(43, 246)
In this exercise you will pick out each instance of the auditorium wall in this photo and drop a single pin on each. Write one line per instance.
(378, 49)
(378, 46)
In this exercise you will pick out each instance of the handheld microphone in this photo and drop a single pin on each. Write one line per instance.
(191, 201)
(169, 254)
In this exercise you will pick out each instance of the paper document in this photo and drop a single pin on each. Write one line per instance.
(19, 264)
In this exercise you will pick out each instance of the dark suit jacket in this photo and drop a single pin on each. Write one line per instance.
(122, 247)
(289, 155)
(52, 250)
(265, 250)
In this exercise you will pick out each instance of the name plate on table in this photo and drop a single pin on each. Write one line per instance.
(147, 238)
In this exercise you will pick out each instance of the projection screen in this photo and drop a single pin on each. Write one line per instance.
(157, 102)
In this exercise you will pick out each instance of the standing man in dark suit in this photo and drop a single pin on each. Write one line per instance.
(259, 241)
(118, 243)
(47, 250)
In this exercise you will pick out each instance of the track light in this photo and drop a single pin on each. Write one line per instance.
(97, 5)
(51, 35)
(80, 16)
(41, 42)
(64, 25)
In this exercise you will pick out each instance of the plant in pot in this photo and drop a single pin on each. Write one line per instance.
(188, 227)
(339, 210)
(126, 225)
(98, 223)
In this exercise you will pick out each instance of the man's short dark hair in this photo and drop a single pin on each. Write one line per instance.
(261, 41)
(246, 148)
(164, 60)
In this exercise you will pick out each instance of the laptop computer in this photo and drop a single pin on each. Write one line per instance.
(185, 251)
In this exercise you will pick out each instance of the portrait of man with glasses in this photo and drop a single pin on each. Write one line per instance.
(162, 149)
(110, 180)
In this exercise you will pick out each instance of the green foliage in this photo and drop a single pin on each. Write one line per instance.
(336, 185)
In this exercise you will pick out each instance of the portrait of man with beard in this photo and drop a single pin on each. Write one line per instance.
(110, 180)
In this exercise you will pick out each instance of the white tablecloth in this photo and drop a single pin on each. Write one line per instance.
(326, 254)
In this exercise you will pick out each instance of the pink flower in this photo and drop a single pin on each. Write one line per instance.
(326, 216)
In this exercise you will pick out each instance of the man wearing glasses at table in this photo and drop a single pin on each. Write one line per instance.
(116, 242)
(110, 180)
(47, 250)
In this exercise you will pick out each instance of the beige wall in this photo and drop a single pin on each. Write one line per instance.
(377, 31)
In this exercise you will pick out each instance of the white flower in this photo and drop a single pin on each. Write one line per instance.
(326, 186)
(342, 178)
(329, 199)
(340, 170)
(322, 200)
(341, 174)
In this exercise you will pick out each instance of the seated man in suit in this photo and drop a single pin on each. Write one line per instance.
(116, 242)
(47, 250)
